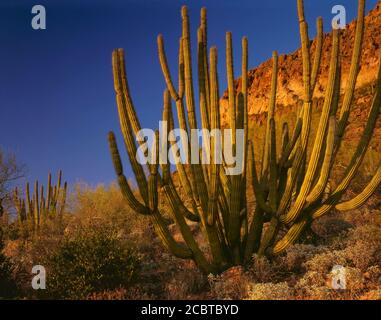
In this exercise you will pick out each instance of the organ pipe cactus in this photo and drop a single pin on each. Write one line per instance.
(39, 206)
(291, 185)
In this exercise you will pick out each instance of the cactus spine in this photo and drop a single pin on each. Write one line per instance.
(290, 187)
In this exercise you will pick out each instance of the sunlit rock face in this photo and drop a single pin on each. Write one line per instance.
(290, 85)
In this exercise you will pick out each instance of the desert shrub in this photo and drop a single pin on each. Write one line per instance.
(104, 207)
(262, 269)
(355, 280)
(363, 247)
(314, 285)
(373, 274)
(8, 288)
(233, 284)
(184, 283)
(132, 293)
(295, 256)
(372, 295)
(330, 226)
(270, 291)
(324, 262)
(87, 263)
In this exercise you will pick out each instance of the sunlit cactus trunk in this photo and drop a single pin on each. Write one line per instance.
(291, 185)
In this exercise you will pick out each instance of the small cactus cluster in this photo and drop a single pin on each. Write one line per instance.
(39, 207)
(292, 185)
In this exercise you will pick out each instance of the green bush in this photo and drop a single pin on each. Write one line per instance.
(87, 264)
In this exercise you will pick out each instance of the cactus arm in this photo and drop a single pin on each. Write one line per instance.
(317, 149)
(243, 100)
(165, 69)
(285, 138)
(202, 82)
(205, 118)
(152, 179)
(171, 193)
(177, 249)
(256, 225)
(318, 51)
(122, 181)
(191, 216)
(237, 211)
(204, 29)
(282, 169)
(327, 158)
(291, 144)
(257, 186)
(167, 180)
(254, 234)
(305, 113)
(273, 182)
(122, 86)
(189, 93)
(270, 114)
(224, 207)
(318, 189)
(305, 52)
(270, 149)
(189, 98)
(215, 142)
(244, 89)
(177, 97)
(361, 198)
(297, 162)
(231, 89)
(181, 80)
(168, 117)
(290, 237)
(226, 183)
(273, 228)
(211, 230)
(182, 119)
(158, 222)
(269, 236)
(197, 254)
(125, 121)
(196, 171)
(354, 70)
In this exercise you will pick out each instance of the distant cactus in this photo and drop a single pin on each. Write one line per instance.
(290, 187)
(36, 208)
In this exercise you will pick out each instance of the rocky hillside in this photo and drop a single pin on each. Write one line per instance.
(290, 88)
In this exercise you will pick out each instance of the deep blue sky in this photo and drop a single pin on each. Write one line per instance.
(56, 93)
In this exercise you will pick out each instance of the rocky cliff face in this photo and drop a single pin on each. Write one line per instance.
(290, 87)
